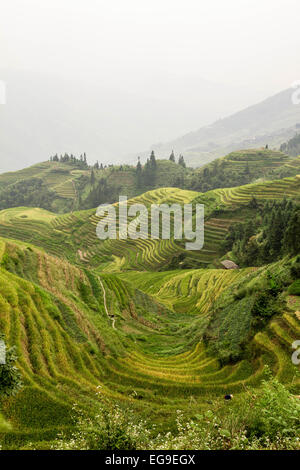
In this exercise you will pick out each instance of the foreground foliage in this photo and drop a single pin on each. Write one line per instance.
(265, 419)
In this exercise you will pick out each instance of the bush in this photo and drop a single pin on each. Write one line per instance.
(295, 269)
(264, 419)
(276, 412)
(294, 288)
(111, 429)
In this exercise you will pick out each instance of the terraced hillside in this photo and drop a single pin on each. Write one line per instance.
(65, 186)
(136, 337)
(60, 319)
(238, 168)
(96, 320)
(73, 236)
(291, 168)
(62, 187)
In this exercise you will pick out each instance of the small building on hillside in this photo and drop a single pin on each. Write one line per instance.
(229, 264)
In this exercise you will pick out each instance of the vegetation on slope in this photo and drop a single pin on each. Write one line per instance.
(66, 184)
(237, 168)
(292, 146)
(154, 342)
(271, 233)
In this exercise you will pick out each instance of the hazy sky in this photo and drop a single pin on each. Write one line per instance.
(158, 49)
(249, 42)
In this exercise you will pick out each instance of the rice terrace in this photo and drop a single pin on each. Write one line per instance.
(143, 328)
(149, 229)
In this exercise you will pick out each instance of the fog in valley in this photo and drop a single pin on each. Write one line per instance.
(113, 79)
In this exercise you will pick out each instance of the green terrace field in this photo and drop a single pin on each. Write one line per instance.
(73, 236)
(65, 186)
(126, 321)
(291, 168)
(240, 168)
(134, 338)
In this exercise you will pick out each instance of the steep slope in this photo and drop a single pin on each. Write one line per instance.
(56, 316)
(154, 360)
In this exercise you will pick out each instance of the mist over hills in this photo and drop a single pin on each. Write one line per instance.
(109, 119)
(272, 122)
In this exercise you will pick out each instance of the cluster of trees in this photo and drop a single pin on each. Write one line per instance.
(180, 159)
(219, 174)
(273, 234)
(146, 175)
(292, 147)
(106, 189)
(66, 158)
(100, 193)
(31, 192)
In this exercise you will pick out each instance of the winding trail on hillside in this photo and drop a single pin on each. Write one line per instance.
(111, 317)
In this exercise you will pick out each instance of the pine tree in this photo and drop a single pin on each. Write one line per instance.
(139, 173)
(247, 169)
(172, 157)
(93, 179)
(181, 161)
(291, 241)
(152, 161)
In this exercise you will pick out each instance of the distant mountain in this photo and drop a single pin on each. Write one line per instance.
(110, 121)
(272, 122)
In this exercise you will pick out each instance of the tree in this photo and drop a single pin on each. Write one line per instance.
(247, 169)
(10, 377)
(93, 179)
(139, 172)
(172, 157)
(206, 172)
(291, 242)
(181, 161)
(149, 172)
(152, 161)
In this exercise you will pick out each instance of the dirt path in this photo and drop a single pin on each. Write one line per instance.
(112, 318)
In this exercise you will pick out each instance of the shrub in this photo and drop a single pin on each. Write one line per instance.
(111, 429)
(295, 270)
(294, 288)
(276, 412)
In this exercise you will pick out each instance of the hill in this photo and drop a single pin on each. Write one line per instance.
(64, 186)
(238, 168)
(73, 236)
(292, 147)
(71, 184)
(272, 122)
(124, 325)
(144, 341)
